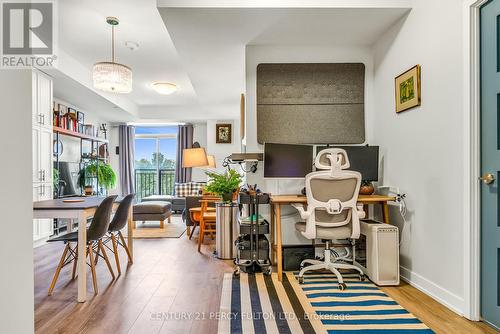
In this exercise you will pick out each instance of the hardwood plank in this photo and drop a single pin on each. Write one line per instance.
(170, 277)
(432, 313)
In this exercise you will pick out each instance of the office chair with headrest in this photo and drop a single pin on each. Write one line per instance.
(332, 211)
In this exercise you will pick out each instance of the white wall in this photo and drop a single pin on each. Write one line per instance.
(222, 150)
(16, 248)
(297, 54)
(422, 149)
(200, 136)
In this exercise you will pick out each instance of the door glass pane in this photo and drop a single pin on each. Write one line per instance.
(498, 43)
(146, 176)
(498, 276)
(498, 121)
(166, 163)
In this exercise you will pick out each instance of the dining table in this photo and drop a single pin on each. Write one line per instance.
(79, 209)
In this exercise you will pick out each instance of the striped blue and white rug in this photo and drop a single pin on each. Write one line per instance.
(261, 304)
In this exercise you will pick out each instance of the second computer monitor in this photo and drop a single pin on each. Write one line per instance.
(287, 161)
(363, 159)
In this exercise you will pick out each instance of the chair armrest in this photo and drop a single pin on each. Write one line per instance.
(303, 213)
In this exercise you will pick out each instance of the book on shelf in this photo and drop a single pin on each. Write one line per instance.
(69, 118)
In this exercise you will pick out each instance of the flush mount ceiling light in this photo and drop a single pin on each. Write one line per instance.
(110, 76)
(164, 88)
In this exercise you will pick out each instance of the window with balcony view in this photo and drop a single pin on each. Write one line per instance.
(155, 154)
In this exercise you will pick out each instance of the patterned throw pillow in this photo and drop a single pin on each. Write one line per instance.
(197, 188)
(182, 189)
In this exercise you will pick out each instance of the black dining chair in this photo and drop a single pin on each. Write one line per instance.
(97, 229)
(120, 220)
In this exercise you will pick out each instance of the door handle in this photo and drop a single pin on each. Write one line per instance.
(487, 178)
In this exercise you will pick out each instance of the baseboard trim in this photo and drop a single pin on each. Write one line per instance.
(40, 242)
(443, 296)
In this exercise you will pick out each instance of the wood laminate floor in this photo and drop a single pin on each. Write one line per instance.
(171, 288)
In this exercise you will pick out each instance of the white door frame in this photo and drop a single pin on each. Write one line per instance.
(472, 207)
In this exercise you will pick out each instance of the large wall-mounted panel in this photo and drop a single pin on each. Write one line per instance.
(310, 103)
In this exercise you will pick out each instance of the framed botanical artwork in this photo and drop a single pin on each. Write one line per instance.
(223, 133)
(407, 89)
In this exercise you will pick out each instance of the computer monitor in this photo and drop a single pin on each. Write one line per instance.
(363, 159)
(69, 173)
(287, 161)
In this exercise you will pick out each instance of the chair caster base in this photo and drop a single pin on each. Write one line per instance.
(362, 278)
(342, 286)
(301, 280)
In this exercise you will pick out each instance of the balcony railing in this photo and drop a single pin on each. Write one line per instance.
(154, 182)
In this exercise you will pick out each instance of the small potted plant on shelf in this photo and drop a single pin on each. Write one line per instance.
(106, 176)
(225, 185)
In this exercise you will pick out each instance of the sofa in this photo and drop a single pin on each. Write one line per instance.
(178, 199)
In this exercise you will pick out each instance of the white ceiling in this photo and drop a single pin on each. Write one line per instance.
(70, 90)
(85, 35)
(202, 50)
(211, 42)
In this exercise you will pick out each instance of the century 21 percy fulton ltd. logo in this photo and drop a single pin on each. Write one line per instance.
(27, 34)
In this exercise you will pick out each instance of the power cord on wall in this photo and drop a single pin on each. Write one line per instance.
(400, 199)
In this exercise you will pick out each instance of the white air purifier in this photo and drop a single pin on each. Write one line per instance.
(379, 252)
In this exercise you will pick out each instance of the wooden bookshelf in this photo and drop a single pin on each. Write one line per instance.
(71, 133)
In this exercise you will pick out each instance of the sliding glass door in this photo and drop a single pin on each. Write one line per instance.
(155, 155)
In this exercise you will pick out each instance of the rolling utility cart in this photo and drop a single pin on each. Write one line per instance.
(252, 245)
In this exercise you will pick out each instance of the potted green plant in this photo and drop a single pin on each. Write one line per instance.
(106, 176)
(224, 185)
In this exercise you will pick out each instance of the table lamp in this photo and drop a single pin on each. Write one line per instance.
(211, 161)
(194, 157)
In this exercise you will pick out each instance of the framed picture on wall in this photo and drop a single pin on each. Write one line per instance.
(223, 133)
(80, 117)
(407, 89)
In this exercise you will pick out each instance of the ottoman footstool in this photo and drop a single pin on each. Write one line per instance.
(153, 211)
(178, 203)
